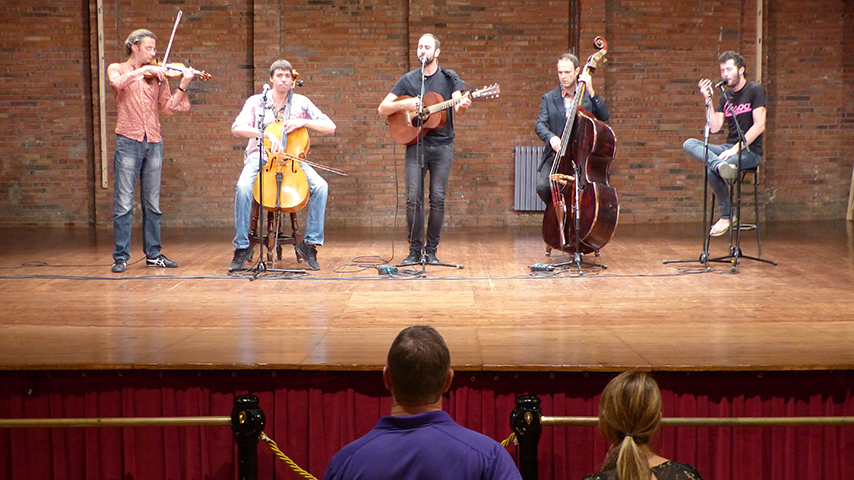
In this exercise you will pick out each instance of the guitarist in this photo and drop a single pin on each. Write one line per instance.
(437, 147)
(553, 111)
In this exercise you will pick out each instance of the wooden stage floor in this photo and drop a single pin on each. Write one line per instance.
(62, 308)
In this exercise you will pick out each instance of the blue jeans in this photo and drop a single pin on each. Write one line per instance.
(317, 192)
(134, 160)
(694, 147)
(437, 161)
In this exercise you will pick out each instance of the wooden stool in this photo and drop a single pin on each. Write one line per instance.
(272, 237)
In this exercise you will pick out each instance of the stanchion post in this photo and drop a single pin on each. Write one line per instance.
(525, 422)
(247, 423)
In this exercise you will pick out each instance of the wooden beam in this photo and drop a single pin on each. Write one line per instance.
(759, 40)
(102, 108)
(850, 215)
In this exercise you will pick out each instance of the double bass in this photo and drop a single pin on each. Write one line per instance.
(582, 215)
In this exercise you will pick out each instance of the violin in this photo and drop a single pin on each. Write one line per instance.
(176, 70)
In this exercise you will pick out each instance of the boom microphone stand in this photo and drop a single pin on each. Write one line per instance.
(261, 266)
(577, 257)
(735, 219)
(704, 255)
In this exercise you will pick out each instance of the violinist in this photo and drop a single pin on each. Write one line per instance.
(553, 111)
(747, 100)
(303, 113)
(142, 93)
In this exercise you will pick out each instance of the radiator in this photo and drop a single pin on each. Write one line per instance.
(525, 185)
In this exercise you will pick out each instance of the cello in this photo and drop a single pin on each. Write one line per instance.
(281, 186)
(285, 188)
(584, 210)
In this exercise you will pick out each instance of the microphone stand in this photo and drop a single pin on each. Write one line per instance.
(577, 257)
(704, 255)
(419, 153)
(261, 266)
(735, 220)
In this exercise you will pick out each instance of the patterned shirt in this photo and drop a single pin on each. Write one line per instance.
(668, 470)
(137, 101)
(301, 107)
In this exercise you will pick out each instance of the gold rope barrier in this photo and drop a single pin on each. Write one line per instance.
(715, 421)
(275, 448)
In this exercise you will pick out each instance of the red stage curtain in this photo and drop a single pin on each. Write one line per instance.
(313, 414)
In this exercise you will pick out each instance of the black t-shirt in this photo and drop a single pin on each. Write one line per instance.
(744, 101)
(445, 83)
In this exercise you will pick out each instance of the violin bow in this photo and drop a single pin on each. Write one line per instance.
(174, 29)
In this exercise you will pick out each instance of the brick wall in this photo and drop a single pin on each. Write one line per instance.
(350, 53)
(45, 114)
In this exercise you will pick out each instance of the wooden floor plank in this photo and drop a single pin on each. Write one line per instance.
(64, 309)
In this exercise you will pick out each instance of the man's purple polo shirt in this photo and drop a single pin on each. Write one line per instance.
(427, 446)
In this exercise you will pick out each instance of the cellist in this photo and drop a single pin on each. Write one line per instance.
(302, 113)
(553, 112)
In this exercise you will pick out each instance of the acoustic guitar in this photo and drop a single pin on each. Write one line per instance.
(407, 127)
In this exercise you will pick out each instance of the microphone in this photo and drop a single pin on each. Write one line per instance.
(721, 83)
(424, 59)
(266, 88)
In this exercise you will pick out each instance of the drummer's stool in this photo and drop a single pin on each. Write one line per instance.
(273, 238)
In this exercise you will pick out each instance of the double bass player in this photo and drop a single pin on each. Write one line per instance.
(554, 108)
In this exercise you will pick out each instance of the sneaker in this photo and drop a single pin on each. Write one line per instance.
(432, 259)
(160, 261)
(241, 256)
(728, 171)
(308, 253)
(413, 258)
(120, 266)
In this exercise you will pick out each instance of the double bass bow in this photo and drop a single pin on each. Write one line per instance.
(583, 213)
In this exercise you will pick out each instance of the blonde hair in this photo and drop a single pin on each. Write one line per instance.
(629, 415)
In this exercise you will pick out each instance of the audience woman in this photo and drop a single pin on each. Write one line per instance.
(629, 415)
